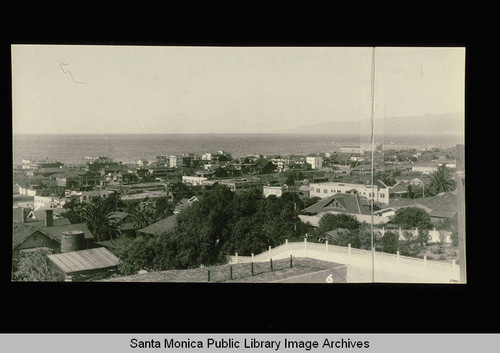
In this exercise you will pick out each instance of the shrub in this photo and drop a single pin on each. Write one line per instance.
(34, 267)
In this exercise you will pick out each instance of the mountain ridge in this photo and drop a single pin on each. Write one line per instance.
(425, 124)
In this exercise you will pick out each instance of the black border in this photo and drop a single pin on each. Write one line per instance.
(235, 308)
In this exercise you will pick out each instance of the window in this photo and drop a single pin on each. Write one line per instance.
(325, 191)
(318, 190)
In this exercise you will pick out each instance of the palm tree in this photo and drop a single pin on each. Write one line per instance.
(143, 215)
(99, 218)
(442, 180)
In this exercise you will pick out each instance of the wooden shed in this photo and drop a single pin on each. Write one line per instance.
(84, 265)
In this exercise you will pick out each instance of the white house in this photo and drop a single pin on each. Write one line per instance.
(327, 189)
(315, 162)
(424, 168)
(272, 190)
(86, 196)
(351, 149)
(175, 161)
(44, 202)
(206, 157)
(193, 180)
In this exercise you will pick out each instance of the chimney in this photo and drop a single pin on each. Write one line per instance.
(49, 218)
(19, 214)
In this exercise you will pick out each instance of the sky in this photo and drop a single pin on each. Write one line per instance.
(149, 89)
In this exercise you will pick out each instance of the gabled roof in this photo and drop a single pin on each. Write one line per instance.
(57, 231)
(161, 226)
(40, 213)
(21, 232)
(84, 260)
(400, 187)
(441, 205)
(341, 202)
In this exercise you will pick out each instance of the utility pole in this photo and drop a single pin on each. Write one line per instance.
(460, 182)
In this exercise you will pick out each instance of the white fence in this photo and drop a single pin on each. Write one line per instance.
(435, 236)
(387, 267)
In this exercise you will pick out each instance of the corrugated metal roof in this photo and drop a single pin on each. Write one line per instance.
(84, 260)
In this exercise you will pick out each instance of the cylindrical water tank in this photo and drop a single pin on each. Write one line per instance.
(73, 240)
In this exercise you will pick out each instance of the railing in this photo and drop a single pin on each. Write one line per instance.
(386, 265)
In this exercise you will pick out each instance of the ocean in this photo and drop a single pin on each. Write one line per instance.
(73, 148)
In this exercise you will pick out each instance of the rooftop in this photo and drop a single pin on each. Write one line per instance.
(161, 226)
(84, 260)
(341, 202)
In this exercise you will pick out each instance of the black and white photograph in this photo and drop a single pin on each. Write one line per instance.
(238, 164)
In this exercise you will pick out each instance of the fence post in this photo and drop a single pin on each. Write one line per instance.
(208, 275)
(397, 256)
(383, 231)
(425, 260)
(271, 263)
(252, 257)
(326, 246)
(231, 272)
(291, 261)
(252, 268)
(286, 245)
(305, 247)
(236, 258)
(349, 249)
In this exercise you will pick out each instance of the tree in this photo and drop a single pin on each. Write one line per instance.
(98, 217)
(143, 215)
(412, 217)
(114, 202)
(442, 180)
(390, 242)
(73, 210)
(290, 180)
(333, 221)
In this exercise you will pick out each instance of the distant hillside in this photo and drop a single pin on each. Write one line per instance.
(428, 124)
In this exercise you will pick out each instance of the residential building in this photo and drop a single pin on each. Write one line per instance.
(273, 190)
(175, 161)
(87, 196)
(280, 163)
(141, 163)
(231, 184)
(351, 149)
(42, 202)
(424, 168)
(193, 180)
(45, 233)
(161, 227)
(439, 207)
(315, 162)
(206, 157)
(142, 195)
(342, 203)
(327, 189)
(183, 203)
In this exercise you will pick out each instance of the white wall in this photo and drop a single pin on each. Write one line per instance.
(381, 195)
